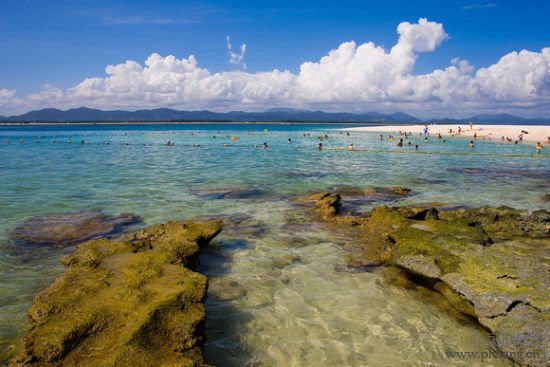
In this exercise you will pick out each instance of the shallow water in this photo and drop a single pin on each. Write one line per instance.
(298, 308)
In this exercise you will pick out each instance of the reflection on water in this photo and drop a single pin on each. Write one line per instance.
(291, 303)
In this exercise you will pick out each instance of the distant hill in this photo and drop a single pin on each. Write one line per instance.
(84, 114)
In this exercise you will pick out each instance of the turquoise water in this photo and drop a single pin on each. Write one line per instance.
(298, 308)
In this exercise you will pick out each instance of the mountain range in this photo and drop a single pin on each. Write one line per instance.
(84, 114)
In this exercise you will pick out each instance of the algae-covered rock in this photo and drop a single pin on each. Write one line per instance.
(128, 301)
(64, 229)
(490, 263)
(326, 204)
(504, 222)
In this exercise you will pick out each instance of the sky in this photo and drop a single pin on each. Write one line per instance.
(429, 58)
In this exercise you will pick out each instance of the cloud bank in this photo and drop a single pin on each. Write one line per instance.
(351, 77)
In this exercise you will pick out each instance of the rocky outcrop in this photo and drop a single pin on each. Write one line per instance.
(490, 263)
(129, 301)
(65, 229)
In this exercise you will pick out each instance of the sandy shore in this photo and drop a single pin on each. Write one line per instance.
(536, 133)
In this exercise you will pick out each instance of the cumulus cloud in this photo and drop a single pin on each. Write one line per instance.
(235, 58)
(351, 77)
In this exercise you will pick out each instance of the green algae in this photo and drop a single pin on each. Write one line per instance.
(124, 302)
(490, 263)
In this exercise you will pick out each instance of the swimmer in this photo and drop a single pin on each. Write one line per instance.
(347, 133)
(538, 147)
(82, 142)
(226, 145)
(196, 145)
(381, 137)
(289, 141)
(265, 145)
(351, 147)
(416, 147)
(400, 144)
(471, 144)
(320, 146)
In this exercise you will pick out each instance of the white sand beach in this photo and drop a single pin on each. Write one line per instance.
(535, 133)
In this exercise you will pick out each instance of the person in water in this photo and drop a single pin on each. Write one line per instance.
(289, 141)
(471, 144)
(538, 147)
(320, 146)
(400, 143)
(265, 145)
(351, 147)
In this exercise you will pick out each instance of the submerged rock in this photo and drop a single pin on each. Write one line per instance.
(227, 192)
(128, 301)
(490, 263)
(354, 198)
(64, 229)
(225, 289)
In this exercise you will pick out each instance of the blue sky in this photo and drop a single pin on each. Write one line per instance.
(60, 43)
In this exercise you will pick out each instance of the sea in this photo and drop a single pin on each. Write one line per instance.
(299, 304)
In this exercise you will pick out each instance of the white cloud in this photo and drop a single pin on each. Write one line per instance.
(479, 6)
(351, 77)
(236, 58)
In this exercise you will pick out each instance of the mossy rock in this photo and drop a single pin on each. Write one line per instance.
(490, 263)
(124, 302)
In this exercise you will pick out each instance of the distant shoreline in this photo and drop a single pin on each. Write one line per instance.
(535, 133)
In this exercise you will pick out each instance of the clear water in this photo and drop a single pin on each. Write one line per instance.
(299, 309)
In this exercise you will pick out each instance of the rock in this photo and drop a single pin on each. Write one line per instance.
(227, 192)
(225, 289)
(347, 190)
(388, 193)
(546, 197)
(128, 301)
(504, 222)
(66, 229)
(422, 265)
(326, 204)
(504, 285)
